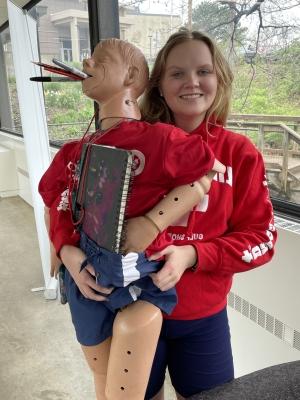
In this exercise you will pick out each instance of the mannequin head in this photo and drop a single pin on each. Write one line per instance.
(118, 76)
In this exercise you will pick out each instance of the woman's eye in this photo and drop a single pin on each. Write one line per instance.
(203, 72)
(177, 74)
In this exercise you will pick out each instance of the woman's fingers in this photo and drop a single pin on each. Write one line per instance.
(90, 269)
(165, 252)
(166, 278)
(88, 293)
(167, 284)
(94, 283)
(178, 259)
(89, 287)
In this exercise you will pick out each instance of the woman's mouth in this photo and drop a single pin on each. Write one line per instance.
(191, 96)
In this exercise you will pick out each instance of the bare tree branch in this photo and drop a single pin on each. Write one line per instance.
(255, 7)
(130, 3)
(249, 86)
(279, 8)
(280, 26)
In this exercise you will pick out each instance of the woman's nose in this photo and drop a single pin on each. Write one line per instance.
(192, 79)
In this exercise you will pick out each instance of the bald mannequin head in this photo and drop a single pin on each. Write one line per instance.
(132, 60)
(116, 67)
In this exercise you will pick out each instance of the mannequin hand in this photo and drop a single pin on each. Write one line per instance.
(219, 167)
(55, 262)
(178, 259)
(72, 257)
(140, 233)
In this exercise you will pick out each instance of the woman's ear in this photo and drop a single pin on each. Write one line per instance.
(131, 76)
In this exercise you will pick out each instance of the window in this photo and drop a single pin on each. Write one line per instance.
(9, 106)
(265, 61)
(150, 25)
(63, 33)
(278, 140)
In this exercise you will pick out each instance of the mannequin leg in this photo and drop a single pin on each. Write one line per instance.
(97, 359)
(135, 336)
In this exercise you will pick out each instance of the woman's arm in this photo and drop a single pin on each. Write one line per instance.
(248, 243)
(250, 238)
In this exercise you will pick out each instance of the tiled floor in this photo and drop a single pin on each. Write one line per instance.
(39, 356)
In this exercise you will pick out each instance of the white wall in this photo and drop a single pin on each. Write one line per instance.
(274, 289)
(14, 176)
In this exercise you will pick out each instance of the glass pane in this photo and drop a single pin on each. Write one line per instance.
(279, 144)
(10, 111)
(265, 62)
(148, 24)
(63, 33)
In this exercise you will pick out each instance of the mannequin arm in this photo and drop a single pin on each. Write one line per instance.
(54, 260)
(141, 231)
(177, 202)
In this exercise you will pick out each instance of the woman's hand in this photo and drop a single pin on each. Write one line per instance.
(178, 259)
(72, 257)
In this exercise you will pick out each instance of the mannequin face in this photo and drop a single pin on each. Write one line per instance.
(108, 74)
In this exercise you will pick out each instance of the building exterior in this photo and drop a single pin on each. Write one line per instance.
(149, 32)
(64, 29)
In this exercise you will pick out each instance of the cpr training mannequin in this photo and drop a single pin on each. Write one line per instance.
(121, 363)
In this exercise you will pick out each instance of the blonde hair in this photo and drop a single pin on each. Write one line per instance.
(154, 108)
(132, 57)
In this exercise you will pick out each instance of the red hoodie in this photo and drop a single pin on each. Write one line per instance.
(232, 229)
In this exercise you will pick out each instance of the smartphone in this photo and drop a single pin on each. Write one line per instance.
(69, 68)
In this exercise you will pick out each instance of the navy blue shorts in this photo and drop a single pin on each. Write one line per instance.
(128, 275)
(93, 320)
(197, 353)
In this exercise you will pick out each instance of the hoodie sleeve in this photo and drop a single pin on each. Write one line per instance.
(53, 188)
(186, 157)
(62, 231)
(251, 235)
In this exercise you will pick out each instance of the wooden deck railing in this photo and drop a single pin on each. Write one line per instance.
(285, 148)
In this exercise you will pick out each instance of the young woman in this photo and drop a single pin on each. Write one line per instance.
(230, 231)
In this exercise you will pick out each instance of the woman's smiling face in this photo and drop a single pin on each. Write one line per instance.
(189, 83)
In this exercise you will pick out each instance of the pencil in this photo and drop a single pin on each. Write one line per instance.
(51, 79)
(69, 68)
(57, 70)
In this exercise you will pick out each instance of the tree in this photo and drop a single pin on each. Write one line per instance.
(255, 32)
(273, 23)
(216, 20)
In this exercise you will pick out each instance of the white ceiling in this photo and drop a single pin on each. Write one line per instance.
(3, 9)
